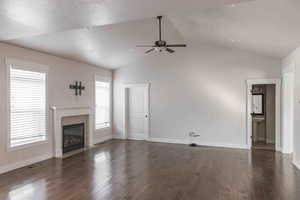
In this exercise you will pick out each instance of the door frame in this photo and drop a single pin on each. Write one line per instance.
(277, 83)
(125, 88)
(288, 114)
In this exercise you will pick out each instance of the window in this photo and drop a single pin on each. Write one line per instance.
(102, 104)
(27, 99)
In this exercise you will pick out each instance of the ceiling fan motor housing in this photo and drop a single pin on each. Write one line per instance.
(160, 43)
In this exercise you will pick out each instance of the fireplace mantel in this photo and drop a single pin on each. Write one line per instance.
(58, 114)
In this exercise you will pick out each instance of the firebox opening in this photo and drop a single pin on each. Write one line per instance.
(73, 137)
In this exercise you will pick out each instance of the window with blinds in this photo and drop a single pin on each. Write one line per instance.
(102, 104)
(27, 106)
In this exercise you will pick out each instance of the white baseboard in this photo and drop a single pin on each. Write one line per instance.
(133, 137)
(296, 163)
(118, 137)
(137, 137)
(283, 150)
(13, 166)
(184, 141)
(103, 138)
(233, 146)
(167, 140)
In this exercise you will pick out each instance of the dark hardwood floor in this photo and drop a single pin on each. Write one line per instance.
(154, 171)
(263, 146)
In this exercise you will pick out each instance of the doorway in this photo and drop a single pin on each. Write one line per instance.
(263, 113)
(136, 111)
(263, 116)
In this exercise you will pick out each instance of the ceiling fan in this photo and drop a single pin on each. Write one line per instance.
(161, 45)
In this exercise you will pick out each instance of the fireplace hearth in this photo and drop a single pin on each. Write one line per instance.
(73, 137)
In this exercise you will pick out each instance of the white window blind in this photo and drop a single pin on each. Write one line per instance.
(27, 107)
(102, 104)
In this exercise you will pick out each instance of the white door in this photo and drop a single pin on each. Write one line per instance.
(137, 113)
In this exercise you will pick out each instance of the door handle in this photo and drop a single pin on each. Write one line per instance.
(146, 116)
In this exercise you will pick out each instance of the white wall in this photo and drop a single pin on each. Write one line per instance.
(291, 64)
(62, 72)
(196, 89)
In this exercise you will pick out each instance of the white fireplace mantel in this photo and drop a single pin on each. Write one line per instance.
(58, 114)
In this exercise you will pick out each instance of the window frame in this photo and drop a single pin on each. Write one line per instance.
(107, 80)
(28, 66)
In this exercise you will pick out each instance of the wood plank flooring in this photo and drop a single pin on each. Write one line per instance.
(263, 146)
(137, 170)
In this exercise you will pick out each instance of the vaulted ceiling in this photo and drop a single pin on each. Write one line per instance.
(105, 32)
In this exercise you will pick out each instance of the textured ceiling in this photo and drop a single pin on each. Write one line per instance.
(104, 33)
(269, 27)
(109, 46)
(22, 18)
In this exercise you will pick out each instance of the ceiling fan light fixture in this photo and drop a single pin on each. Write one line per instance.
(160, 49)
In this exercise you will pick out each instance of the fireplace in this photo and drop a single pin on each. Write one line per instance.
(73, 137)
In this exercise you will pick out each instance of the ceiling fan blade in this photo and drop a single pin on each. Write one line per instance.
(144, 45)
(170, 50)
(176, 45)
(149, 50)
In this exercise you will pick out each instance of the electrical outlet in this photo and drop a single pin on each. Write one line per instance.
(193, 134)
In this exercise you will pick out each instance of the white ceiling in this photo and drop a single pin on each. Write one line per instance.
(105, 32)
(109, 46)
(22, 18)
(269, 27)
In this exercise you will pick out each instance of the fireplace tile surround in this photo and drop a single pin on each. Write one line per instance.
(71, 115)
